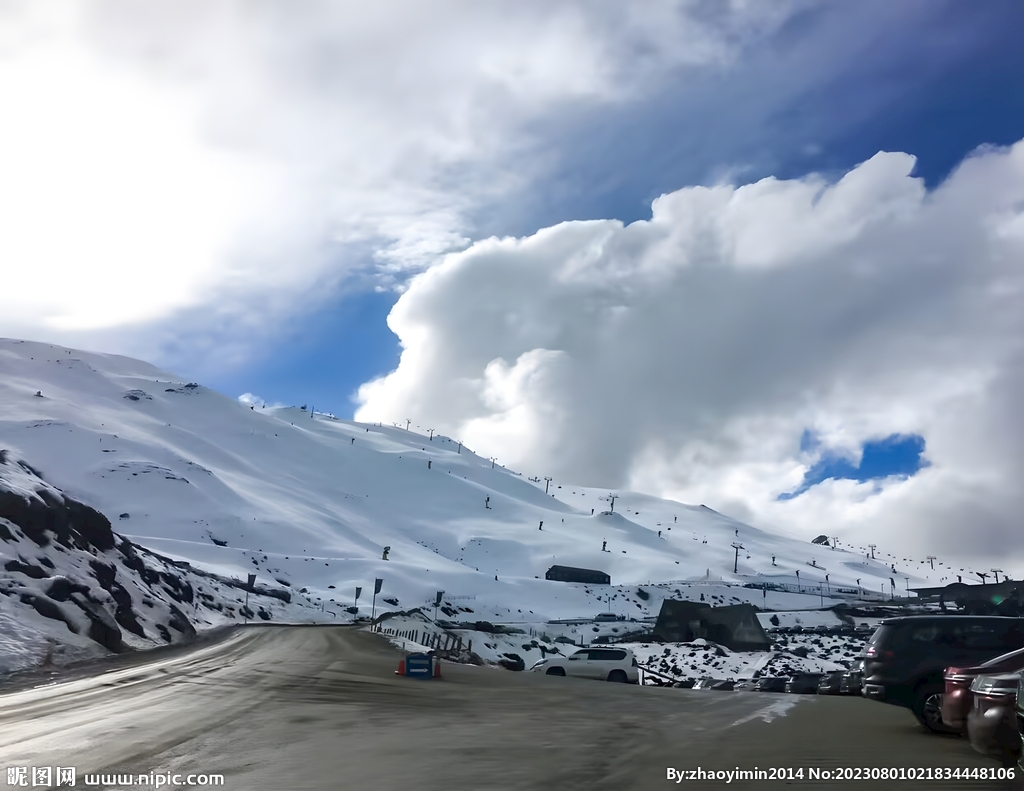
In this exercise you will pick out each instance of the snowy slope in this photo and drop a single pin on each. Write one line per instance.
(73, 588)
(310, 501)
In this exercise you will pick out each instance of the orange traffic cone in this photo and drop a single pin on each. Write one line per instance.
(401, 668)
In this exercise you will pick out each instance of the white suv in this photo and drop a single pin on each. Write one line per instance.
(604, 664)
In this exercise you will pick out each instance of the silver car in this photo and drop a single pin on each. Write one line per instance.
(603, 664)
(991, 721)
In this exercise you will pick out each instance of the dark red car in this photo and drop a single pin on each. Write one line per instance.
(958, 699)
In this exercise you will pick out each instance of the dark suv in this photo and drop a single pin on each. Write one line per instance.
(906, 657)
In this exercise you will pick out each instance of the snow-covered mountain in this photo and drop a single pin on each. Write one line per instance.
(309, 503)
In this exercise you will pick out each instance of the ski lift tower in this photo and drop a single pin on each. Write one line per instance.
(736, 559)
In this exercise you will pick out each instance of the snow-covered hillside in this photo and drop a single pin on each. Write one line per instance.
(74, 588)
(309, 502)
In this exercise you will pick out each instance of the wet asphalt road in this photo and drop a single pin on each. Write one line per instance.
(283, 708)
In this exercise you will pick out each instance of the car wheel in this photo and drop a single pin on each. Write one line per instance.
(555, 671)
(618, 676)
(927, 708)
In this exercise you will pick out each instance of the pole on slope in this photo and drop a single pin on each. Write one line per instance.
(377, 583)
(248, 587)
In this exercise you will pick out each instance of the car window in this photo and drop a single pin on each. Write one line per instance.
(579, 655)
(927, 634)
(886, 634)
(988, 636)
(607, 654)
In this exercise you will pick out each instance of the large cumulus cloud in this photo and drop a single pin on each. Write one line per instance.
(686, 355)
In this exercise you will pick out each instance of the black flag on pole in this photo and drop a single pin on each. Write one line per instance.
(377, 586)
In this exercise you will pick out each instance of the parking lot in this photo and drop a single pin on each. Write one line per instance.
(300, 707)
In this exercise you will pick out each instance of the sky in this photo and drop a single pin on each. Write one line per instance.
(760, 256)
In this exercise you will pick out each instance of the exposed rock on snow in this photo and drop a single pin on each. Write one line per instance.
(65, 565)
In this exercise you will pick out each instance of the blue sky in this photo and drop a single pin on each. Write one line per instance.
(833, 86)
(893, 455)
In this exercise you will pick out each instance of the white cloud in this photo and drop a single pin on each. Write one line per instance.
(228, 161)
(251, 399)
(685, 355)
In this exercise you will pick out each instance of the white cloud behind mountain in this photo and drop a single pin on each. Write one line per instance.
(685, 355)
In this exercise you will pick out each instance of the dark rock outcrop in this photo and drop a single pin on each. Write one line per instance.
(49, 517)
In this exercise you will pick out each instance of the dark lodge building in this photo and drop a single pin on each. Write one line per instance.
(736, 627)
(572, 574)
(1002, 598)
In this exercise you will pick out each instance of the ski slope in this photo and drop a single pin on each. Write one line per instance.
(309, 501)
